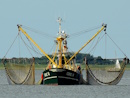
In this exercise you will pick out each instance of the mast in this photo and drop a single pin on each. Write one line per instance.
(60, 38)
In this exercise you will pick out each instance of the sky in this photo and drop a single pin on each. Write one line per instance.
(77, 15)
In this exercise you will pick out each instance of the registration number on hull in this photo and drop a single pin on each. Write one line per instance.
(46, 74)
(70, 74)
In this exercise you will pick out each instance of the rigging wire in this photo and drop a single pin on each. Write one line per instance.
(91, 45)
(99, 39)
(71, 50)
(30, 47)
(75, 34)
(38, 32)
(19, 42)
(84, 31)
(116, 45)
(106, 35)
(35, 50)
(26, 45)
(19, 50)
(51, 48)
(10, 46)
(105, 45)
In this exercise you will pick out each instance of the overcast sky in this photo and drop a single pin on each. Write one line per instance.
(77, 15)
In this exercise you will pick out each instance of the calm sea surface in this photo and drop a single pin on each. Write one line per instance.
(122, 90)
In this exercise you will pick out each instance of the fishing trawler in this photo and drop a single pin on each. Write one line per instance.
(61, 69)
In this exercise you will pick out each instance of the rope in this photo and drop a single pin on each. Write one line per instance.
(10, 46)
(84, 31)
(26, 45)
(51, 48)
(91, 45)
(117, 45)
(39, 32)
(30, 47)
(19, 42)
(99, 39)
(36, 51)
(105, 45)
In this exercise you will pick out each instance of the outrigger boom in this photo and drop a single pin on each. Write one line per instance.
(20, 29)
(103, 28)
(59, 39)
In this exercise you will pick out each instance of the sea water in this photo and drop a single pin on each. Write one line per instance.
(122, 90)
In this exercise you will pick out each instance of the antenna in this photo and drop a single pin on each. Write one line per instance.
(59, 20)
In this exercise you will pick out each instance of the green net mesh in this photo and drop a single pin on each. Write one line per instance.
(108, 74)
(20, 71)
